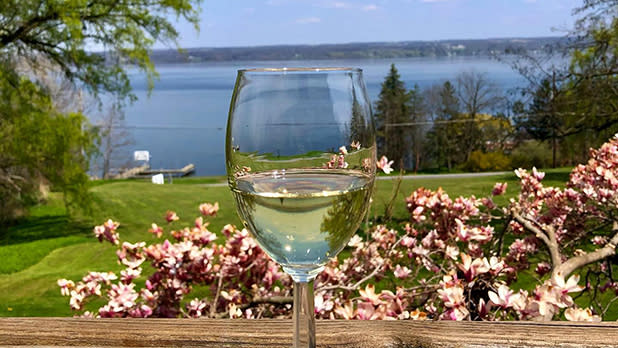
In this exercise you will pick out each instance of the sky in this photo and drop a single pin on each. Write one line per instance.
(227, 23)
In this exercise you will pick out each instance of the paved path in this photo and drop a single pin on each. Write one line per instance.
(409, 177)
(443, 176)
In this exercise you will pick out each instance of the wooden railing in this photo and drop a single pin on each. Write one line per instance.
(71, 332)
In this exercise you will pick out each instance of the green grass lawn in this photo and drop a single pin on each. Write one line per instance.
(47, 245)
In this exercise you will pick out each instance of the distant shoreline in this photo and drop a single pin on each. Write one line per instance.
(368, 50)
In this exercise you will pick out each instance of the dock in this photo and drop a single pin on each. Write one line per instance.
(184, 171)
(146, 171)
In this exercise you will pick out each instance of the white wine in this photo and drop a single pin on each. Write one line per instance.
(303, 218)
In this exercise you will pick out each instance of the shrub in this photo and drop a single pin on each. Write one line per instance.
(530, 154)
(487, 161)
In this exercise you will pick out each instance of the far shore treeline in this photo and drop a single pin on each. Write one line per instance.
(361, 50)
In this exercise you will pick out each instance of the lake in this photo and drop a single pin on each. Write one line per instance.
(184, 118)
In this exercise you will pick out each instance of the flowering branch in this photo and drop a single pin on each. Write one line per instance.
(542, 234)
(439, 264)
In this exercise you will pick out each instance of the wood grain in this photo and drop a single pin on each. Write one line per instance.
(74, 332)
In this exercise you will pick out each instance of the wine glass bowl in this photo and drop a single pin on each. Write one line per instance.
(300, 157)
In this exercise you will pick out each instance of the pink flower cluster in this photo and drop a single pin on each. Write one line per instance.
(237, 273)
(453, 259)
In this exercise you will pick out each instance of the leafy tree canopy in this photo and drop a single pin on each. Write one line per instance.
(66, 32)
(50, 45)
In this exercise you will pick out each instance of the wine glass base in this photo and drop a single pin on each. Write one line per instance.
(302, 273)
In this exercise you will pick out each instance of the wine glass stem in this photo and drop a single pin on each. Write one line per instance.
(304, 315)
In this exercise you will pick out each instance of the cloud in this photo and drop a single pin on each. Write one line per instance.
(275, 2)
(370, 7)
(334, 4)
(340, 4)
(308, 20)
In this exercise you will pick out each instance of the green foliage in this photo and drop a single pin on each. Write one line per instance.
(574, 107)
(60, 32)
(40, 147)
(532, 153)
(487, 161)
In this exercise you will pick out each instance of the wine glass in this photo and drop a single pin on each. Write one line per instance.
(300, 158)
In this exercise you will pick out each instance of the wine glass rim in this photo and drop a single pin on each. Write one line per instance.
(300, 70)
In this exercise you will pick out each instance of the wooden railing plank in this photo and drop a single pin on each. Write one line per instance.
(75, 332)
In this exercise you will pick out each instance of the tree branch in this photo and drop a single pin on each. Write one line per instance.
(547, 235)
(576, 262)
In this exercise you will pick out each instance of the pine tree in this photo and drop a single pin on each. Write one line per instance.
(392, 110)
(359, 129)
(442, 137)
(417, 131)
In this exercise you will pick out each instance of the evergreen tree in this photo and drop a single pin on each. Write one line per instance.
(448, 111)
(359, 129)
(542, 119)
(392, 109)
(418, 128)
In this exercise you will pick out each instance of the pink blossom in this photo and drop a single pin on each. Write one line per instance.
(538, 175)
(122, 297)
(402, 272)
(567, 286)
(385, 165)
(156, 230)
(346, 311)
(368, 294)
(76, 300)
(208, 209)
(234, 311)
(356, 242)
(542, 268)
(171, 216)
(195, 308)
(452, 252)
(599, 240)
(368, 311)
(499, 189)
(343, 150)
(127, 275)
(65, 286)
(323, 303)
(496, 265)
(504, 297)
(355, 145)
(579, 314)
(107, 231)
(418, 315)
(473, 268)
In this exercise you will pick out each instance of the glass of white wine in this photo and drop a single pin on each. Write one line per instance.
(300, 158)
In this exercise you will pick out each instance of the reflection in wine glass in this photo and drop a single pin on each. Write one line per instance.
(300, 156)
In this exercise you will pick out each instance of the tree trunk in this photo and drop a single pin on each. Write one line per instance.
(553, 154)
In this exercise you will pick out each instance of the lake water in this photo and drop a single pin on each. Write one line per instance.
(184, 118)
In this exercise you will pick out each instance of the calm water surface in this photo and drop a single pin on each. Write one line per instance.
(183, 120)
